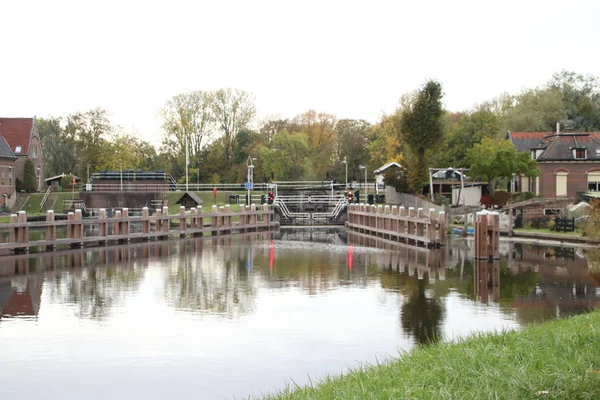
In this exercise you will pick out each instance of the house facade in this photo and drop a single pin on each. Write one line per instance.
(7, 180)
(569, 162)
(23, 140)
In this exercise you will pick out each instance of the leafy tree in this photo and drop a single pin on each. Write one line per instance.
(289, 160)
(188, 116)
(494, 159)
(352, 139)
(536, 110)
(422, 129)
(57, 146)
(384, 141)
(89, 132)
(233, 109)
(29, 178)
(581, 99)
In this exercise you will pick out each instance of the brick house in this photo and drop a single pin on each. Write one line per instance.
(568, 162)
(7, 181)
(23, 140)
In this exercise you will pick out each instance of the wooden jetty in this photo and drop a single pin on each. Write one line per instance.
(118, 229)
(415, 227)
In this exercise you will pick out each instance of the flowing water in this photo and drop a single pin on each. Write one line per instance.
(229, 317)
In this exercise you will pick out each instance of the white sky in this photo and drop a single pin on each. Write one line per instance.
(352, 59)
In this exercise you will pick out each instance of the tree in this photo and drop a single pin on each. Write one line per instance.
(29, 178)
(188, 116)
(57, 146)
(581, 99)
(233, 109)
(536, 110)
(89, 132)
(289, 161)
(352, 140)
(384, 141)
(494, 159)
(422, 129)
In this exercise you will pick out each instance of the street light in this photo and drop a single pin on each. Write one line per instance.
(346, 162)
(250, 180)
(121, 169)
(365, 168)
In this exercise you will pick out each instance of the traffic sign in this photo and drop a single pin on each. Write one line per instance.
(248, 185)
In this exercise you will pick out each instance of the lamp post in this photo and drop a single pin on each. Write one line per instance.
(250, 177)
(365, 168)
(346, 162)
(121, 172)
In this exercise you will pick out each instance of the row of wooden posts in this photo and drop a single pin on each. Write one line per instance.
(251, 218)
(398, 223)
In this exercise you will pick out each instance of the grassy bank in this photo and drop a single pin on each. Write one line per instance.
(554, 360)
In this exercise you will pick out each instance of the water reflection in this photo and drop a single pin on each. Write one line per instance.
(248, 312)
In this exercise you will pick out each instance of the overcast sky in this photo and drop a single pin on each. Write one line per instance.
(352, 59)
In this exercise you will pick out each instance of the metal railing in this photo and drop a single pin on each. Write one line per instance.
(45, 197)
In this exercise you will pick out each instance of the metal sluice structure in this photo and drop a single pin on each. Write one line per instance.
(311, 209)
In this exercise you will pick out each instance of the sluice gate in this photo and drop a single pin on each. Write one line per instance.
(311, 209)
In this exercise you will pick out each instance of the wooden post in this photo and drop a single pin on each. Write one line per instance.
(125, 228)
(387, 222)
(13, 234)
(420, 223)
(145, 223)
(266, 216)
(117, 225)
(394, 225)
(215, 220)
(182, 222)
(24, 230)
(103, 227)
(402, 222)
(411, 222)
(50, 230)
(158, 226)
(442, 228)
(431, 227)
(78, 228)
(200, 219)
(228, 217)
(495, 236)
(166, 225)
(193, 218)
(253, 217)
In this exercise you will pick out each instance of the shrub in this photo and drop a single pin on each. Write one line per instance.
(522, 196)
(486, 200)
(29, 181)
(501, 197)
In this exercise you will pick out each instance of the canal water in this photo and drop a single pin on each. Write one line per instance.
(230, 317)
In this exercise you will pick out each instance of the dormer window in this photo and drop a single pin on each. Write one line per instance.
(535, 153)
(579, 154)
(18, 150)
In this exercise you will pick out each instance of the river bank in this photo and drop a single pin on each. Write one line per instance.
(553, 360)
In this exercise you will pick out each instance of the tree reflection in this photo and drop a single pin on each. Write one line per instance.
(214, 282)
(96, 291)
(421, 316)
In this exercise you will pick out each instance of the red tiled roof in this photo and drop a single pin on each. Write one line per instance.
(17, 132)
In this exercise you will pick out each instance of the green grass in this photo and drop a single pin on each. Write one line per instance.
(32, 205)
(59, 206)
(546, 231)
(554, 360)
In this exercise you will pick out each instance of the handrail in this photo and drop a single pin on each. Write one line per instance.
(45, 197)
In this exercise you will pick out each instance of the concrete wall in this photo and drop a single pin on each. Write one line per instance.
(119, 199)
(408, 200)
(469, 196)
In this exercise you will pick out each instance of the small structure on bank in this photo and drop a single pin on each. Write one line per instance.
(189, 200)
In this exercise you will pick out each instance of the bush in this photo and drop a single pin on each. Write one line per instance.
(29, 181)
(441, 200)
(486, 200)
(501, 197)
(522, 196)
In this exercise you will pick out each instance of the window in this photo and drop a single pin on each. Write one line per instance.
(579, 154)
(34, 151)
(561, 184)
(552, 211)
(10, 176)
(18, 150)
(594, 181)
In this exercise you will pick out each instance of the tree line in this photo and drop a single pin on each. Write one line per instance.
(221, 130)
